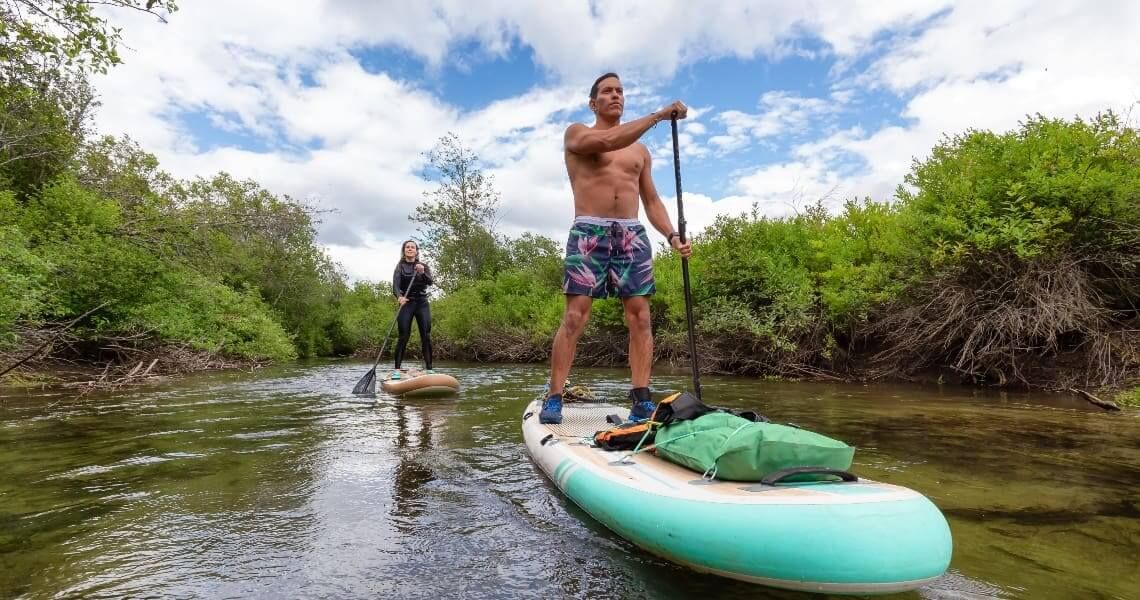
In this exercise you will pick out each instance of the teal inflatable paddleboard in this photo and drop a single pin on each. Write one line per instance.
(839, 537)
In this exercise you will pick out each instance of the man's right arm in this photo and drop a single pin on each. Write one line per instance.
(583, 140)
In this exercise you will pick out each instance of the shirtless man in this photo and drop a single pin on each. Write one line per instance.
(608, 252)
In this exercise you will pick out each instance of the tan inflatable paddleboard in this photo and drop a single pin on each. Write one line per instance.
(414, 382)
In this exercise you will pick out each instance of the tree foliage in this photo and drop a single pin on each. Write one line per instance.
(48, 47)
(458, 219)
(66, 33)
(43, 121)
(221, 264)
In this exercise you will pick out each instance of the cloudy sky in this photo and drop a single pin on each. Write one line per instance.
(334, 101)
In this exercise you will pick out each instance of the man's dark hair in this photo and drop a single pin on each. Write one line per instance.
(594, 88)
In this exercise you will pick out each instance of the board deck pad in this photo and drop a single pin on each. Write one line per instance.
(580, 419)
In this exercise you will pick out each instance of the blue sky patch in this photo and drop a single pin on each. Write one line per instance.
(211, 130)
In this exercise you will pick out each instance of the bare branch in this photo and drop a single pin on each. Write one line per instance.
(51, 339)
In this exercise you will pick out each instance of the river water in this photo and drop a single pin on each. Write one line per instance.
(280, 484)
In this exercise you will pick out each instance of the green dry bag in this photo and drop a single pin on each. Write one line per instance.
(729, 447)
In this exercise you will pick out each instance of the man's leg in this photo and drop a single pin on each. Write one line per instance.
(632, 271)
(574, 320)
(637, 318)
(583, 278)
(640, 338)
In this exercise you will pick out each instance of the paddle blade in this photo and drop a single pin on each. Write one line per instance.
(367, 384)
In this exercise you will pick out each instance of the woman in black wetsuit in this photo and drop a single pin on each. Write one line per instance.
(413, 304)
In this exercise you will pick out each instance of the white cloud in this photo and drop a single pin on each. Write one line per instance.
(782, 114)
(728, 143)
(352, 139)
(700, 212)
(371, 260)
(695, 128)
(982, 66)
(535, 190)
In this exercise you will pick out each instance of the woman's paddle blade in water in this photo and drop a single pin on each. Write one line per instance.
(367, 384)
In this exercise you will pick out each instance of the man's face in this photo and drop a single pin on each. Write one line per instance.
(611, 98)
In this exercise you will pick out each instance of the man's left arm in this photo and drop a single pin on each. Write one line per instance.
(655, 208)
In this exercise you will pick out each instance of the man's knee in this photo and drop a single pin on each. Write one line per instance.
(574, 319)
(637, 317)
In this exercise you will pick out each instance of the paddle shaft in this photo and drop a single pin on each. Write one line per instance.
(388, 335)
(685, 263)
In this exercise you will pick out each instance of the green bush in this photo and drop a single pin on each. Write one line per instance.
(1048, 188)
(521, 304)
(183, 307)
(22, 273)
(1030, 250)
(77, 232)
(804, 284)
(365, 314)
(1128, 397)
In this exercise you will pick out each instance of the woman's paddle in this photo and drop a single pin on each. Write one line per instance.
(685, 264)
(367, 384)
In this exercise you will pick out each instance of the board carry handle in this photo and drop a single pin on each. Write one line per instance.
(776, 477)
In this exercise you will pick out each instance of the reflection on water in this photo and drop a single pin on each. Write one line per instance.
(411, 473)
(282, 484)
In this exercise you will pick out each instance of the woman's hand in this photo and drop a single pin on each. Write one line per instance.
(419, 267)
(402, 300)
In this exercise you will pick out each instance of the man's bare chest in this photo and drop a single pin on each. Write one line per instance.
(623, 163)
(626, 159)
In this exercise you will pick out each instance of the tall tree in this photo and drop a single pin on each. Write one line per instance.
(43, 121)
(48, 47)
(459, 217)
